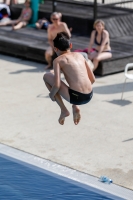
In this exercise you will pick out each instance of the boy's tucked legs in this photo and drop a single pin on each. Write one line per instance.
(63, 91)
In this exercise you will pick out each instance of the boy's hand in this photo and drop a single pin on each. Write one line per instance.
(51, 97)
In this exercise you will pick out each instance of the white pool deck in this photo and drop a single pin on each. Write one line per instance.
(102, 143)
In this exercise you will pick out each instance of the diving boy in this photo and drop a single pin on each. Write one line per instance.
(77, 73)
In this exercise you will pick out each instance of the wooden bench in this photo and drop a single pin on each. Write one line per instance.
(121, 33)
(31, 43)
(26, 42)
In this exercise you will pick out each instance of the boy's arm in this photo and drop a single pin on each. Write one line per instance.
(57, 81)
(90, 72)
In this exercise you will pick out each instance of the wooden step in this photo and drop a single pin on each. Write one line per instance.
(31, 43)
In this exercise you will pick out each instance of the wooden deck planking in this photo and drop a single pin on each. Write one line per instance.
(31, 43)
(84, 11)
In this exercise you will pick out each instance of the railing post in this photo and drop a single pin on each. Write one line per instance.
(54, 5)
(95, 10)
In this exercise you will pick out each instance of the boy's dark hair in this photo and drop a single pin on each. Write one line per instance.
(62, 41)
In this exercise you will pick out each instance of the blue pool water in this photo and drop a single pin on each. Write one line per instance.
(21, 181)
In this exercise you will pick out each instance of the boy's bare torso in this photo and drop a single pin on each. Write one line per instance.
(73, 66)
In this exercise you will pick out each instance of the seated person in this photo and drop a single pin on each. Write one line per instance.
(3, 5)
(42, 24)
(99, 38)
(54, 28)
(23, 20)
(4, 17)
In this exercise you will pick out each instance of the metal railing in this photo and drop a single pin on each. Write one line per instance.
(93, 3)
(74, 2)
(120, 3)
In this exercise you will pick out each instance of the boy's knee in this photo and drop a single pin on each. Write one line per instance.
(46, 76)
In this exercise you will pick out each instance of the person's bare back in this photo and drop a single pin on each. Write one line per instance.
(78, 75)
(73, 66)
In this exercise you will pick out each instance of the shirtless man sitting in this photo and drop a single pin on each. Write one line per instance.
(77, 73)
(54, 28)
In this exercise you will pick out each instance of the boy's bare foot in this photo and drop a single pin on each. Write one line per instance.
(63, 115)
(76, 114)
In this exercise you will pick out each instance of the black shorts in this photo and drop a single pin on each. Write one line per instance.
(78, 98)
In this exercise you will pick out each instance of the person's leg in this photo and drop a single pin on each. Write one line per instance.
(92, 55)
(76, 114)
(63, 91)
(10, 22)
(38, 25)
(101, 56)
(49, 81)
(19, 25)
(48, 56)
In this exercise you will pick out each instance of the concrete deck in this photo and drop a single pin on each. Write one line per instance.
(102, 144)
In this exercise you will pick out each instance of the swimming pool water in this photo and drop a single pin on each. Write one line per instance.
(21, 181)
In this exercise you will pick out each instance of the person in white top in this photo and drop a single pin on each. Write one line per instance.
(24, 18)
(3, 5)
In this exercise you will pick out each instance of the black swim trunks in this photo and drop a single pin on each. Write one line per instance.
(78, 98)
